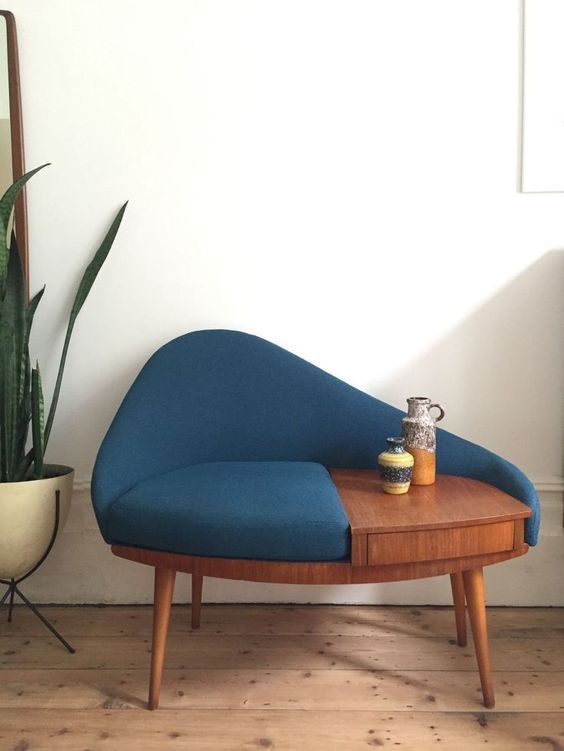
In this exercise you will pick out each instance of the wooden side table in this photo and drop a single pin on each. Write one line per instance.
(456, 526)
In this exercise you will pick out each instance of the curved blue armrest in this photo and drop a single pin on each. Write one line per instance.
(457, 456)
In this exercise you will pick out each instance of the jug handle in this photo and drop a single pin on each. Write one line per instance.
(441, 410)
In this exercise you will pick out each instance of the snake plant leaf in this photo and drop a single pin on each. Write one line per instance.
(14, 308)
(21, 392)
(14, 366)
(95, 265)
(37, 413)
(15, 299)
(29, 315)
(26, 460)
(84, 288)
(32, 307)
(6, 207)
(9, 198)
(8, 422)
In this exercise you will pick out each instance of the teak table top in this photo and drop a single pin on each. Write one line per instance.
(450, 502)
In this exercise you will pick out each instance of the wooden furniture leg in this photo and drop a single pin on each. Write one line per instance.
(474, 588)
(197, 584)
(164, 586)
(457, 585)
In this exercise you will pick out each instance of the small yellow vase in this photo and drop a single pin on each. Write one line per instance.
(396, 467)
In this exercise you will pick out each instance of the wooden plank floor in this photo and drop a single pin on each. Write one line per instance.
(279, 677)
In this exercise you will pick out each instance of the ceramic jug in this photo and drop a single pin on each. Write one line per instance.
(419, 432)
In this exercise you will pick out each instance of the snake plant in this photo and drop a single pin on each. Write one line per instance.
(21, 393)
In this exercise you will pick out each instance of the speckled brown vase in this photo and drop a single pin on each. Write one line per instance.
(420, 436)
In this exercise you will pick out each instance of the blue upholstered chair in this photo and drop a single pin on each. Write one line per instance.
(221, 449)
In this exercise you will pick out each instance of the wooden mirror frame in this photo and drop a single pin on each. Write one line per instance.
(16, 129)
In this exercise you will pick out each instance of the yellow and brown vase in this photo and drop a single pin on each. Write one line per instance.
(395, 467)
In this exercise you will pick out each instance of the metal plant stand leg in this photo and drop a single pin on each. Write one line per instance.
(13, 588)
(44, 620)
(5, 595)
(11, 603)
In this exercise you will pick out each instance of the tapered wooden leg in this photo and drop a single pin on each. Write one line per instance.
(197, 584)
(164, 586)
(457, 585)
(474, 588)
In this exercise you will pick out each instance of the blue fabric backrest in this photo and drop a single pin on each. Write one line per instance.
(221, 395)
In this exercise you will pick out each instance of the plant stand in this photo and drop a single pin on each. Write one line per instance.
(13, 588)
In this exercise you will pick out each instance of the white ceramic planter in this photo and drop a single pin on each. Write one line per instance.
(27, 518)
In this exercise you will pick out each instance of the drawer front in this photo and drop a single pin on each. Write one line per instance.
(435, 544)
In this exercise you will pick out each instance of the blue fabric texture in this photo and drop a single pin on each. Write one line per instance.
(225, 396)
(262, 510)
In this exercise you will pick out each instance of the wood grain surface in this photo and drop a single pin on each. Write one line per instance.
(308, 573)
(451, 501)
(437, 544)
(323, 678)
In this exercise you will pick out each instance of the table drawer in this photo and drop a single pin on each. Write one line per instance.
(435, 544)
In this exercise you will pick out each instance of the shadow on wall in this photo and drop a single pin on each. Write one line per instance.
(505, 366)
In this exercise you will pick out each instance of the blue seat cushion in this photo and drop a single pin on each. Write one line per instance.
(283, 511)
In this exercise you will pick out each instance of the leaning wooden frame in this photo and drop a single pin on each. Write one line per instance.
(16, 138)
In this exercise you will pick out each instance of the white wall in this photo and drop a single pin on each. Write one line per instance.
(4, 87)
(5, 132)
(310, 171)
